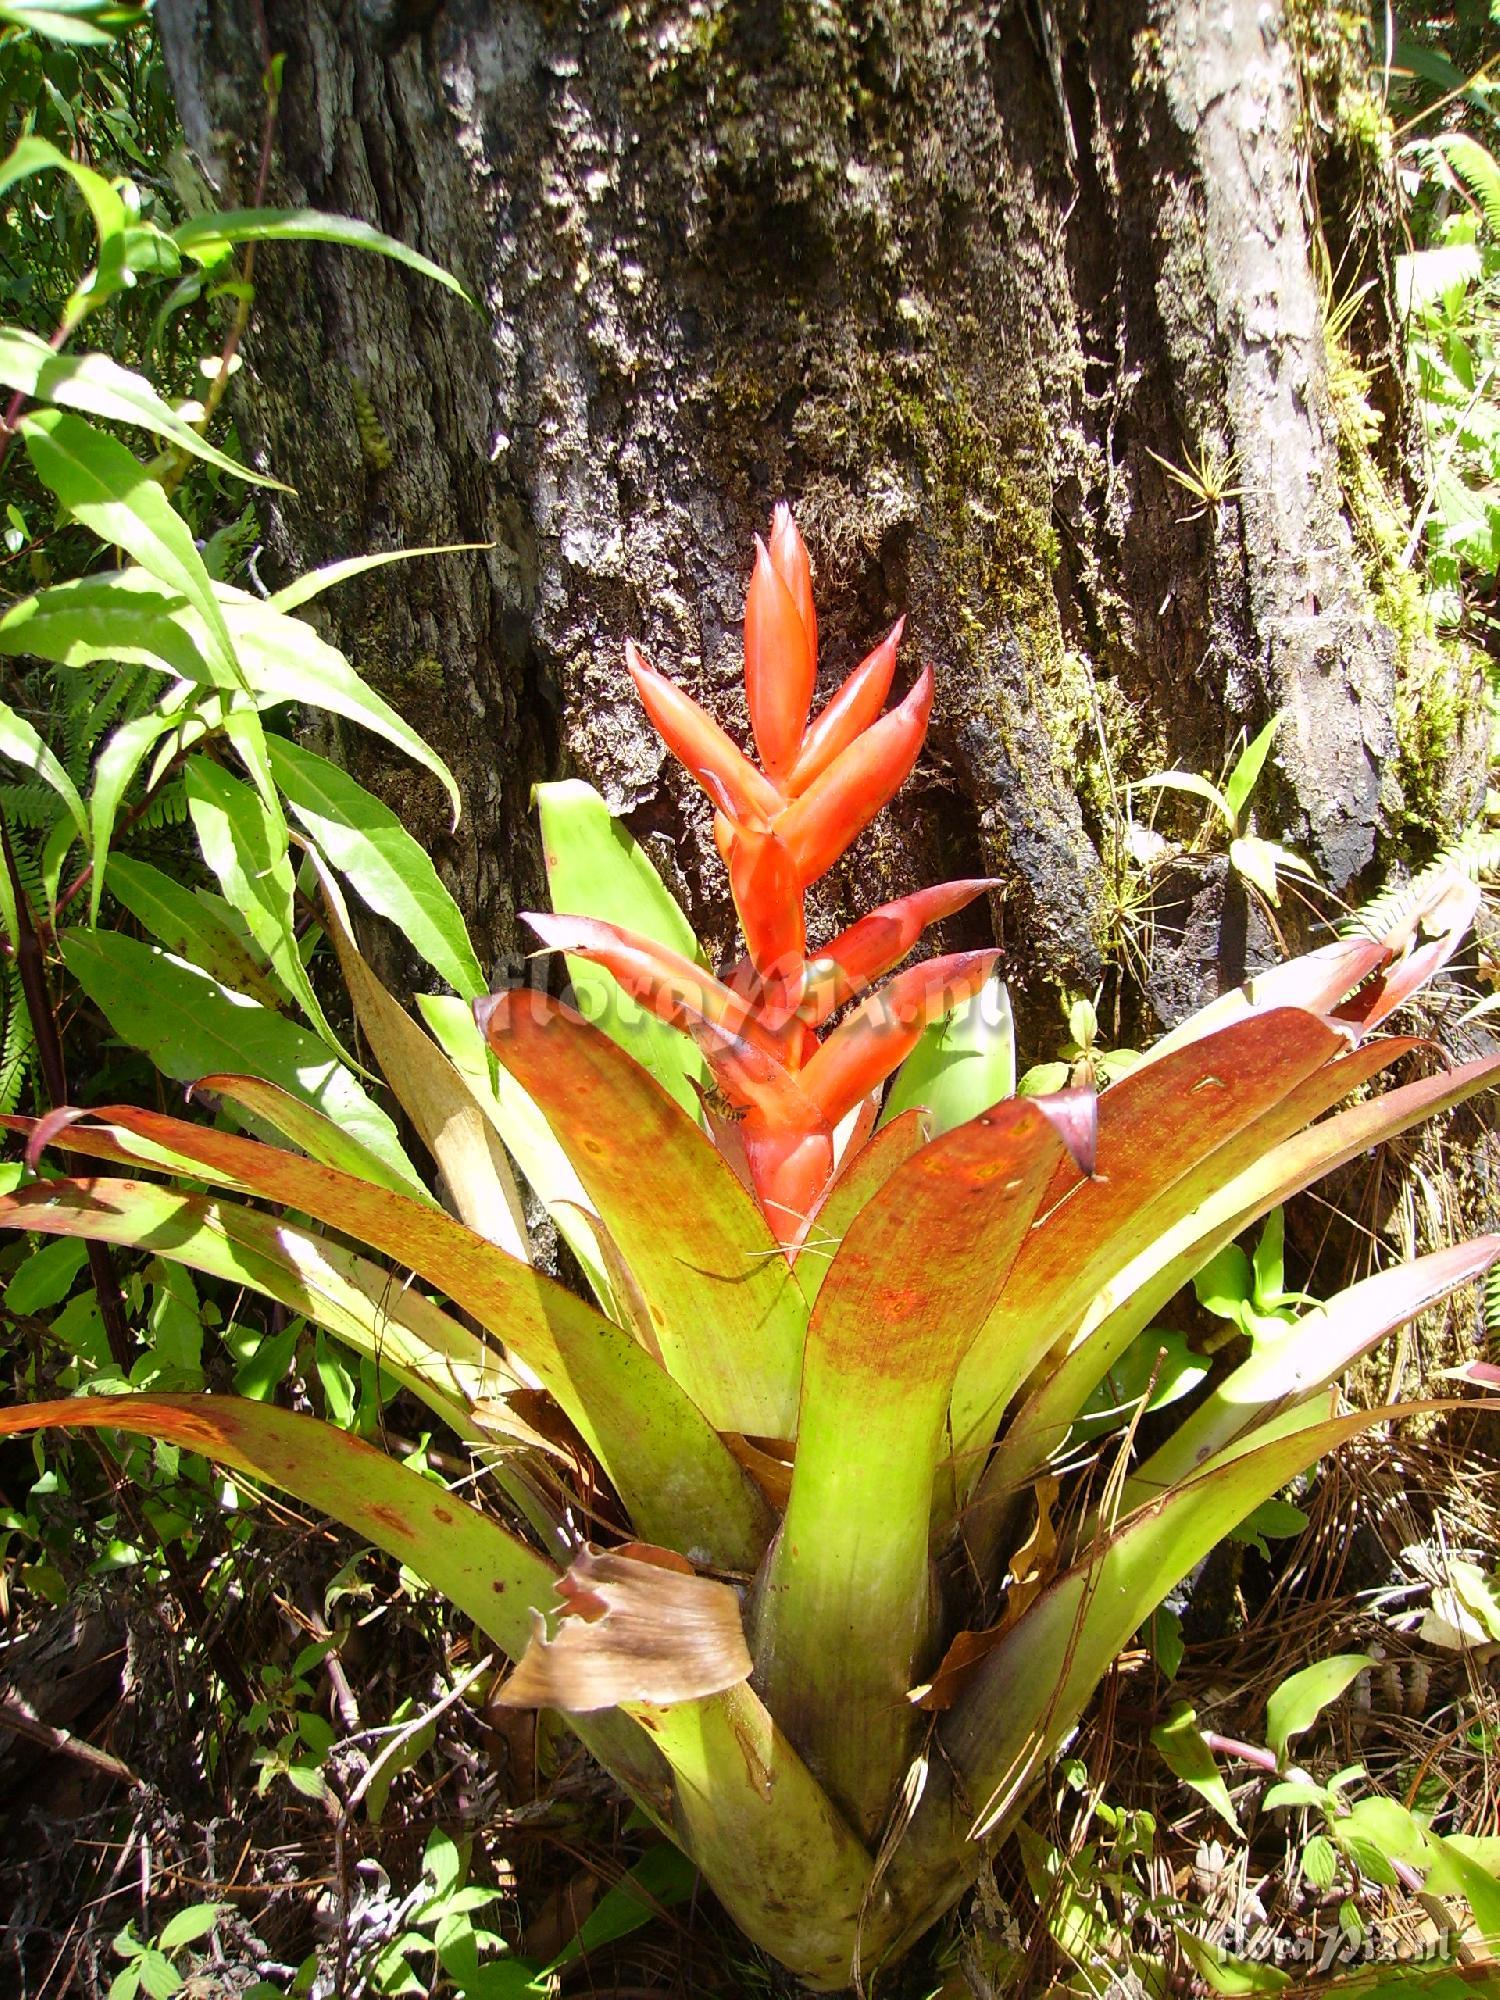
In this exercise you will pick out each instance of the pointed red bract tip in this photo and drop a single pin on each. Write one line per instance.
(698, 743)
(883, 1030)
(780, 667)
(877, 943)
(852, 709)
(835, 809)
(789, 559)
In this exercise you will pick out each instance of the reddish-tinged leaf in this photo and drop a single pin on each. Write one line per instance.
(1316, 983)
(631, 1629)
(855, 1183)
(671, 986)
(849, 713)
(1169, 1133)
(397, 1326)
(863, 1050)
(1287, 1153)
(491, 1576)
(1314, 1353)
(867, 950)
(668, 1466)
(839, 804)
(843, 1608)
(1443, 918)
(320, 1137)
(725, 1310)
(780, 668)
(1483, 1374)
(698, 743)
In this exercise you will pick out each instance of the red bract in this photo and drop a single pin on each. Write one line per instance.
(779, 826)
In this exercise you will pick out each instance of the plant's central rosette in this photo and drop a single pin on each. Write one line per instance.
(780, 825)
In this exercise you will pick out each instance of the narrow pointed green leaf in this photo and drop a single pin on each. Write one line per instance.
(595, 869)
(115, 497)
(285, 660)
(130, 616)
(126, 616)
(34, 155)
(963, 1064)
(100, 387)
(681, 1485)
(254, 870)
(115, 769)
(371, 850)
(1298, 1702)
(728, 1315)
(1189, 783)
(842, 1614)
(304, 588)
(206, 237)
(1188, 1757)
(190, 1026)
(191, 925)
(21, 745)
(1241, 780)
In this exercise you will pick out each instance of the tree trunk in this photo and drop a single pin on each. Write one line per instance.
(1018, 303)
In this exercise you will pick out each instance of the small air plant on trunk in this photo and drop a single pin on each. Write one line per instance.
(831, 1364)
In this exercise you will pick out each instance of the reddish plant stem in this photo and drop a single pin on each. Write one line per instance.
(241, 319)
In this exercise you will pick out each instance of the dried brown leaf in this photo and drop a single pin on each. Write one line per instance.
(632, 1627)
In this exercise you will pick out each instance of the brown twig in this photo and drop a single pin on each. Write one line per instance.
(15, 1717)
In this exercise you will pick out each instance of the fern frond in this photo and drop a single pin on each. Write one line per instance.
(1476, 167)
(17, 1043)
(168, 808)
(1489, 1312)
(1475, 853)
(34, 805)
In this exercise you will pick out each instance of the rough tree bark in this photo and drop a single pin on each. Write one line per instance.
(962, 281)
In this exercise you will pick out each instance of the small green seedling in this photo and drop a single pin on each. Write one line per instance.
(150, 1968)
(1259, 862)
(1082, 1061)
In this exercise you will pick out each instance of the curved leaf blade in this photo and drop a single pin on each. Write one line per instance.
(728, 1315)
(843, 1607)
(100, 387)
(678, 1480)
(206, 237)
(371, 850)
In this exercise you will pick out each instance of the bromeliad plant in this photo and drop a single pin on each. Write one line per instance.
(834, 1367)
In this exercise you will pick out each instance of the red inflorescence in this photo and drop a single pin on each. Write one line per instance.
(780, 825)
